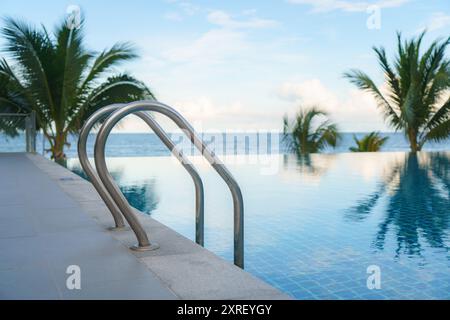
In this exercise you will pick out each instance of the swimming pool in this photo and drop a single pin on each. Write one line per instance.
(314, 226)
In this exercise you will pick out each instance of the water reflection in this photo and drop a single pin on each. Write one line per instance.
(141, 195)
(417, 193)
(313, 165)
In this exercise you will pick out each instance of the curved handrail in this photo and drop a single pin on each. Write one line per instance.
(104, 194)
(90, 171)
(183, 124)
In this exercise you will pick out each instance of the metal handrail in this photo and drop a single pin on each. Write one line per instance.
(219, 167)
(104, 194)
(90, 171)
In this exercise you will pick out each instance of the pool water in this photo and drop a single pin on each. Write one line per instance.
(314, 226)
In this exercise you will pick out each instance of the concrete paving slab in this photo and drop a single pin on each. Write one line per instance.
(43, 231)
(34, 282)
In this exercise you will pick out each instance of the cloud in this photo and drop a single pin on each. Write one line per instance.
(309, 92)
(227, 40)
(173, 16)
(214, 46)
(349, 6)
(437, 21)
(181, 9)
(356, 112)
(224, 20)
(207, 114)
(185, 6)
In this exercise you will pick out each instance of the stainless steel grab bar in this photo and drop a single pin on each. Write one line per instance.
(90, 171)
(219, 167)
(109, 201)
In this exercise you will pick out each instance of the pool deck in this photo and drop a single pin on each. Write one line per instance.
(51, 218)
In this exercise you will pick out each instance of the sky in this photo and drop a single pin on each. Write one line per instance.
(242, 65)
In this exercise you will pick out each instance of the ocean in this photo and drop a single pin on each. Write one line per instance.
(148, 144)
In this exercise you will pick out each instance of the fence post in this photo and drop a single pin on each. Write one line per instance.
(33, 131)
(30, 132)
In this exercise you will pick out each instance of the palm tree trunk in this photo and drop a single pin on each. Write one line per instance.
(412, 136)
(58, 149)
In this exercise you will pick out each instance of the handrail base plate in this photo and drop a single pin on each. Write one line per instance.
(117, 228)
(151, 247)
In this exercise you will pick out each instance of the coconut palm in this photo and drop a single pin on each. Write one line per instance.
(63, 82)
(371, 142)
(307, 134)
(417, 85)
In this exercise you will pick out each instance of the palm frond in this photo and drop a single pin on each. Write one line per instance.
(329, 135)
(106, 60)
(305, 135)
(72, 58)
(440, 132)
(34, 53)
(117, 89)
(371, 142)
(391, 77)
(363, 81)
(11, 98)
(433, 61)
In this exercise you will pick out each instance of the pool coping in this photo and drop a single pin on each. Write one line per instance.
(188, 270)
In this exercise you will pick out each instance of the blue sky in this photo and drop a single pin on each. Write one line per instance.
(241, 65)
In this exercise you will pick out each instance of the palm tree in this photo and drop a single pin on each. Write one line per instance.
(62, 81)
(371, 142)
(306, 136)
(417, 84)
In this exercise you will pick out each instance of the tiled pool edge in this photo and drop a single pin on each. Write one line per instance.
(189, 270)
